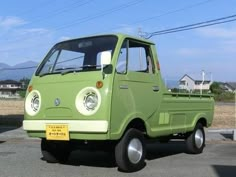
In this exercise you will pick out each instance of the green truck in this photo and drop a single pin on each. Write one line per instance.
(106, 92)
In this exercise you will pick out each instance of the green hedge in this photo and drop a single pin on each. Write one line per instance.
(22, 93)
(225, 97)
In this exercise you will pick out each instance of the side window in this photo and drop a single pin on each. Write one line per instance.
(139, 58)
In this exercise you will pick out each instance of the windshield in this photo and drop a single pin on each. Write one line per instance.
(77, 55)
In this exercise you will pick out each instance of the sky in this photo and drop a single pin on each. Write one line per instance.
(28, 29)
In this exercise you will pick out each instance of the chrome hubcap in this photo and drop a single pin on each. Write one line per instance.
(135, 150)
(199, 138)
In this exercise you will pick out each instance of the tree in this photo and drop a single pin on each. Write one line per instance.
(215, 88)
(25, 82)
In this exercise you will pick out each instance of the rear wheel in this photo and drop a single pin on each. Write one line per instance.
(196, 140)
(55, 151)
(130, 152)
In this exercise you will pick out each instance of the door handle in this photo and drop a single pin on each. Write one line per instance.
(155, 88)
(124, 87)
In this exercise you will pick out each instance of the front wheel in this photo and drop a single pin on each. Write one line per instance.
(130, 152)
(196, 140)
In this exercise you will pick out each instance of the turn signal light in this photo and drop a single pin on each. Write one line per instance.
(30, 88)
(99, 84)
(158, 66)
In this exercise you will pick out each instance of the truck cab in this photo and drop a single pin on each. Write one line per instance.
(108, 90)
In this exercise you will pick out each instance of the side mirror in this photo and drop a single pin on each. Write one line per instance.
(106, 58)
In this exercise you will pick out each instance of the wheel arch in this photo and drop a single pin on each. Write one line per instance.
(203, 121)
(136, 123)
(201, 118)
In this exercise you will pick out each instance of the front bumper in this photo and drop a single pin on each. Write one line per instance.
(82, 126)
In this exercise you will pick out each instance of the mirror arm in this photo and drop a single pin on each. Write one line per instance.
(103, 74)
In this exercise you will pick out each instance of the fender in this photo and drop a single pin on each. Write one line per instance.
(125, 123)
(195, 120)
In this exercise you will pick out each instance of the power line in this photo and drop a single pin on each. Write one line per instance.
(18, 68)
(201, 26)
(31, 67)
(168, 13)
(174, 11)
(60, 11)
(200, 23)
(34, 8)
(217, 21)
(89, 18)
(109, 11)
(51, 15)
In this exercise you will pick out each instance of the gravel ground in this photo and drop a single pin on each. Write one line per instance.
(225, 116)
(11, 107)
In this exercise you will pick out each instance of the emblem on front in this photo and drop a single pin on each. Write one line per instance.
(57, 102)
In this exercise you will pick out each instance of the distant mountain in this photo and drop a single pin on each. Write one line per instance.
(3, 65)
(18, 71)
(26, 64)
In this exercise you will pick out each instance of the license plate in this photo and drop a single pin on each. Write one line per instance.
(57, 132)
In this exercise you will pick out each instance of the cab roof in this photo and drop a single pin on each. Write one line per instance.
(119, 35)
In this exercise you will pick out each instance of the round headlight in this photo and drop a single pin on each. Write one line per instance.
(88, 101)
(33, 103)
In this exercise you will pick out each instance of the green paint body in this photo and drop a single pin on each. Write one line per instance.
(124, 98)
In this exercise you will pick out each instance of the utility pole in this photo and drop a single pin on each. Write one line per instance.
(203, 79)
(140, 51)
(211, 77)
(139, 32)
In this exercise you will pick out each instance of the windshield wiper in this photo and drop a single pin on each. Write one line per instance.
(90, 66)
(71, 70)
(62, 69)
(45, 74)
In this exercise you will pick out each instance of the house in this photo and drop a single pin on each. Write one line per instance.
(229, 86)
(9, 88)
(192, 83)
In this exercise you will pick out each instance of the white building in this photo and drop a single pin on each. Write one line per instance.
(229, 86)
(192, 83)
(9, 88)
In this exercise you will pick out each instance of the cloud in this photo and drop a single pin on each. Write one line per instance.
(218, 41)
(10, 21)
(64, 38)
(19, 43)
(195, 52)
(218, 32)
(224, 36)
(127, 29)
(36, 30)
(30, 32)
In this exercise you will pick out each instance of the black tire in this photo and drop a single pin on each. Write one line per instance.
(195, 142)
(54, 151)
(126, 159)
(164, 140)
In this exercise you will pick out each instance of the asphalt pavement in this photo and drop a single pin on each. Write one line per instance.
(20, 156)
(211, 134)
